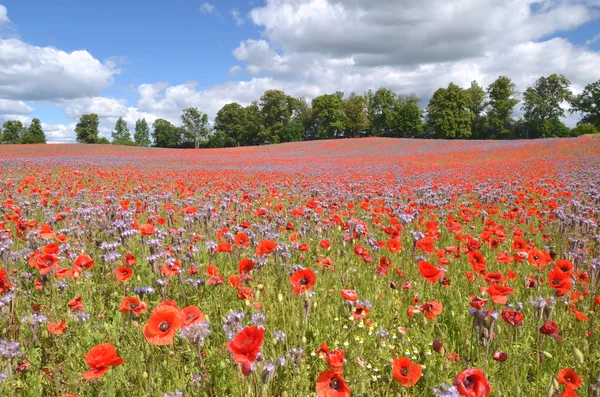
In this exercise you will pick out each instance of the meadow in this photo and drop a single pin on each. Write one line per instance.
(363, 267)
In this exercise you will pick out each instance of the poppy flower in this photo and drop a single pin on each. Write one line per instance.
(99, 359)
(538, 258)
(551, 329)
(246, 293)
(46, 232)
(394, 245)
(224, 246)
(499, 293)
(302, 280)
(472, 383)
(500, 356)
(265, 247)
(5, 284)
(349, 295)
(123, 274)
(246, 345)
(163, 323)
(426, 244)
(171, 269)
(478, 302)
(335, 360)
(559, 281)
(569, 378)
(57, 328)
(129, 260)
(431, 309)
(325, 244)
(406, 372)
(84, 261)
(360, 312)
(431, 273)
(564, 266)
(332, 384)
(50, 249)
(133, 305)
(241, 240)
(477, 261)
(76, 304)
(513, 318)
(147, 230)
(193, 315)
(245, 266)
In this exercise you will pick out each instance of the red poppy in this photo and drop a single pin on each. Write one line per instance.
(129, 260)
(569, 378)
(224, 246)
(246, 345)
(431, 309)
(302, 280)
(332, 384)
(426, 244)
(499, 293)
(431, 273)
(50, 249)
(241, 240)
(512, 317)
(123, 274)
(246, 293)
(133, 305)
(349, 295)
(76, 304)
(478, 302)
(519, 244)
(406, 372)
(193, 315)
(57, 328)
(163, 323)
(99, 359)
(5, 284)
(325, 244)
(550, 328)
(539, 258)
(46, 232)
(477, 261)
(245, 266)
(360, 312)
(559, 281)
(500, 356)
(565, 266)
(335, 360)
(394, 245)
(472, 383)
(171, 269)
(147, 230)
(84, 261)
(265, 247)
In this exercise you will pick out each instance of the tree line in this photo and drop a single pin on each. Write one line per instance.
(452, 113)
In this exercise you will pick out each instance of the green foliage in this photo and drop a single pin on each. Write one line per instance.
(407, 117)
(477, 99)
(103, 141)
(121, 134)
(382, 105)
(12, 133)
(34, 133)
(584, 129)
(541, 104)
(87, 128)
(501, 101)
(449, 113)
(357, 116)
(588, 105)
(329, 116)
(278, 110)
(141, 135)
(231, 124)
(166, 134)
(195, 127)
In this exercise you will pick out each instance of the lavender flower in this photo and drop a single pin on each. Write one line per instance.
(259, 319)
(196, 333)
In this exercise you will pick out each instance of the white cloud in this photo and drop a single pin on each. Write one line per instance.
(593, 40)
(47, 74)
(234, 70)
(207, 8)
(8, 106)
(59, 133)
(235, 14)
(3, 15)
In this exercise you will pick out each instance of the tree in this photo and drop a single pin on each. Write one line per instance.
(166, 134)
(477, 97)
(141, 135)
(588, 105)
(407, 121)
(382, 107)
(448, 113)
(34, 133)
(584, 129)
(12, 132)
(541, 104)
(357, 116)
(501, 101)
(329, 117)
(195, 126)
(87, 128)
(121, 134)
(232, 122)
(278, 110)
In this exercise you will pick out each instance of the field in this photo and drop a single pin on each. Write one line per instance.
(431, 267)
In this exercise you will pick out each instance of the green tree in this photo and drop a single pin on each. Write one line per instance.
(12, 132)
(278, 110)
(121, 134)
(382, 109)
(254, 125)
(448, 113)
(357, 116)
(477, 98)
(588, 105)
(34, 133)
(87, 128)
(329, 117)
(584, 129)
(195, 126)
(541, 104)
(232, 122)
(165, 134)
(141, 135)
(407, 117)
(501, 102)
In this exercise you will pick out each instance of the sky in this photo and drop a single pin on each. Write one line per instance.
(150, 59)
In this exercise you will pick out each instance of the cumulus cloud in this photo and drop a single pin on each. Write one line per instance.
(35, 73)
(3, 15)
(235, 14)
(207, 8)
(8, 106)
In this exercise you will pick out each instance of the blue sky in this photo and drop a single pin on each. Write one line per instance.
(152, 58)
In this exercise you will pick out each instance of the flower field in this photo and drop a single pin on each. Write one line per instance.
(363, 267)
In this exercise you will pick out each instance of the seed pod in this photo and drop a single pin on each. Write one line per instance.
(548, 355)
(578, 355)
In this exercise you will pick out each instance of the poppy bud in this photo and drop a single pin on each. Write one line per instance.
(145, 375)
(500, 356)
(437, 346)
(280, 297)
(548, 355)
(578, 355)
(393, 285)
